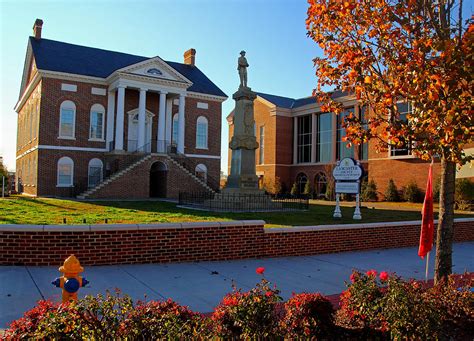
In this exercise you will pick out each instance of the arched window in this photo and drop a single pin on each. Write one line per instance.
(65, 172)
(67, 120)
(201, 172)
(95, 172)
(201, 132)
(301, 181)
(175, 129)
(96, 131)
(320, 184)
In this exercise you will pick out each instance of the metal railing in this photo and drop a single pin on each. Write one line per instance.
(237, 202)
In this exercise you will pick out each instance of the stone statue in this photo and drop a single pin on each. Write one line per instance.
(242, 67)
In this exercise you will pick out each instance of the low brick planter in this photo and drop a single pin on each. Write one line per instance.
(201, 241)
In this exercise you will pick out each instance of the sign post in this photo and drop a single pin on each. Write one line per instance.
(347, 174)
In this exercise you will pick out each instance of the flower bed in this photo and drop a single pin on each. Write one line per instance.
(374, 306)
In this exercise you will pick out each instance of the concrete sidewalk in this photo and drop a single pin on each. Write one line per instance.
(202, 285)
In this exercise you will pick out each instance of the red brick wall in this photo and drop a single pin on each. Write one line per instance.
(122, 244)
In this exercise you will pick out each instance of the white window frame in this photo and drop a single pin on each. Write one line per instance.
(173, 130)
(201, 120)
(261, 147)
(69, 105)
(95, 163)
(97, 108)
(201, 168)
(65, 160)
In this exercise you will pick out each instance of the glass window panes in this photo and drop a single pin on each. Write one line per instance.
(261, 145)
(64, 173)
(201, 133)
(324, 138)
(364, 148)
(304, 139)
(175, 129)
(342, 150)
(405, 148)
(97, 124)
(67, 123)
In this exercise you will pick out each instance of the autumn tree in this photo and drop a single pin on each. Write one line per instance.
(419, 51)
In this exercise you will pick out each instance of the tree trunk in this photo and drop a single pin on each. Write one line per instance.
(445, 232)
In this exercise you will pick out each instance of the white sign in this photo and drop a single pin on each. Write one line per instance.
(347, 187)
(347, 169)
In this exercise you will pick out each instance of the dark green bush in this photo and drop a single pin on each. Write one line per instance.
(369, 191)
(391, 193)
(464, 194)
(412, 193)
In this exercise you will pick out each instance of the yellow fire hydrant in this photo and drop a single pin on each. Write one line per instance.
(70, 281)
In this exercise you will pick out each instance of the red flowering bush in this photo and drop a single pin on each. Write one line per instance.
(249, 314)
(308, 315)
(165, 320)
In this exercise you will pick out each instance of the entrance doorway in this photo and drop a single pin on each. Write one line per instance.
(158, 178)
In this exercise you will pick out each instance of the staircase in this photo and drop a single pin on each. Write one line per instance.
(190, 174)
(113, 177)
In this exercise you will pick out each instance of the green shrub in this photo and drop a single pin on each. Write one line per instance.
(464, 194)
(412, 193)
(248, 315)
(307, 191)
(308, 315)
(294, 189)
(369, 191)
(391, 194)
(330, 194)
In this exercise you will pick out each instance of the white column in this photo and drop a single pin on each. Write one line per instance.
(141, 120)
(162, 123)
(295, 140)
(120, 118)
(169, 121)
(181, 125)
(110, 119)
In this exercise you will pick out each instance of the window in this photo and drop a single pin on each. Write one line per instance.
(65, 172)
(304, 139)
(175, 129)
(324, 138)
(97, 122)
(301, 181)
(261, 147)
(67, 120)
(95, 172)
(320, 184)
(405, 148)
(201, 133)
(342, 150)
(364, 148)
(201, 172)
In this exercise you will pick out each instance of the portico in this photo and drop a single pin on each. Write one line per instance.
(152, 77)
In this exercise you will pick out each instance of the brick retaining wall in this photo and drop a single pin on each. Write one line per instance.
(203, 241)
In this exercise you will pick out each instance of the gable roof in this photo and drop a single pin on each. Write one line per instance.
(58, 56)
(291, 103)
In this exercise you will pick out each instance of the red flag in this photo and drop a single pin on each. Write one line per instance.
(427, 220)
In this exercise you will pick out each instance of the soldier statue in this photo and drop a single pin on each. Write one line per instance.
(242, 67)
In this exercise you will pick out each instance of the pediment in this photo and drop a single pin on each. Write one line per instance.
(154, 68)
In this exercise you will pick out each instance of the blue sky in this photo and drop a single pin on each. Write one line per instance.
(272, 32)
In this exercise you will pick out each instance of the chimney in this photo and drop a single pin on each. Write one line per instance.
(37, 27)
(190, 57)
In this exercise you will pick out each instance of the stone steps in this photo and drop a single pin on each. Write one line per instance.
(198, 180)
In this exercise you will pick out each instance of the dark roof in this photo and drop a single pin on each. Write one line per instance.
(57, 56)
(291, 103)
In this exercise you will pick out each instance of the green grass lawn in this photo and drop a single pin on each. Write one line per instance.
(22, 210)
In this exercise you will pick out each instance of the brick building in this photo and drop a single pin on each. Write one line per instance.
(299, 143)
(96, 124)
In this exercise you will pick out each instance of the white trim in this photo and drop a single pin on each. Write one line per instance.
(68, 87)
(79, 149)
(98, 91)
(71, 77)
(26, 94)
(202, 105)
(217, 157)
(26, 152)
(66, 138)
(198, 95)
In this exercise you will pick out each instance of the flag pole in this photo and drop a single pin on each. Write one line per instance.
(427, 263)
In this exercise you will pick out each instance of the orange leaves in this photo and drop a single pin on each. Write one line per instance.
(368, 80)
